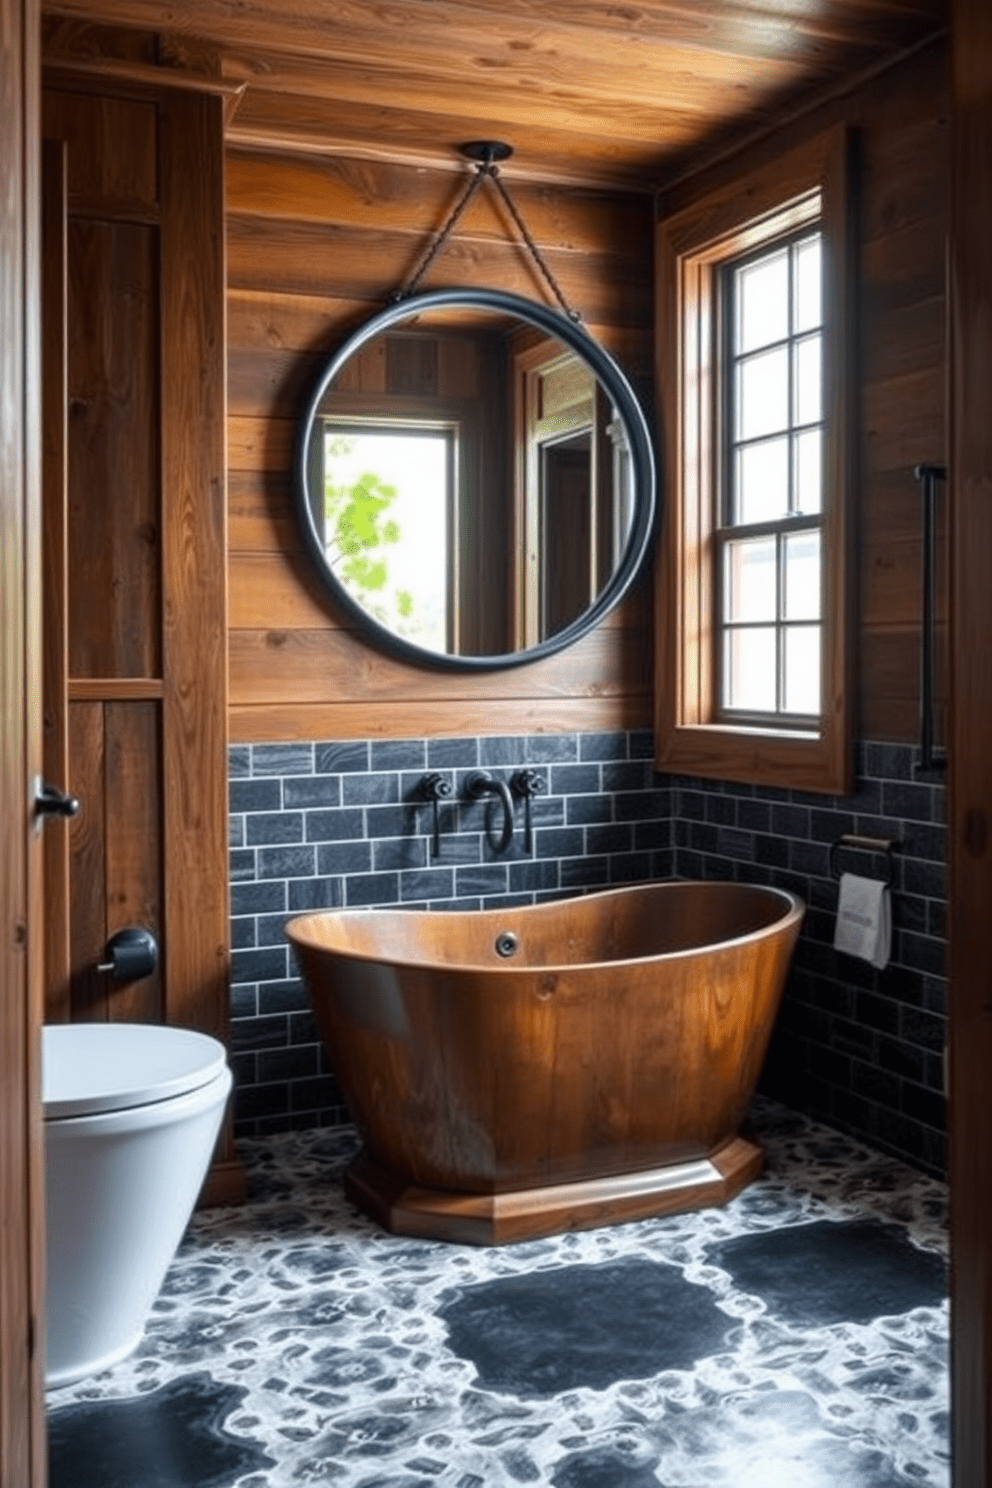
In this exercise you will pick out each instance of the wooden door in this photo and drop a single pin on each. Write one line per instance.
(22, 1441)
(135, 601)
(970, 806)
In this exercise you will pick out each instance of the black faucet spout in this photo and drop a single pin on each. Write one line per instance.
(480, 784)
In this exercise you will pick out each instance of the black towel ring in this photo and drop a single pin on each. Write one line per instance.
(880, 847)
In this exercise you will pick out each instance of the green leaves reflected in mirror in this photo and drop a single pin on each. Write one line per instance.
(474, 480)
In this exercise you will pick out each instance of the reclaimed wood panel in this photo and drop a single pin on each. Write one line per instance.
(133, 823)
(309, 666)
(112, 145)
(194, 497)
(113, 544)
(353, 193)
(589, 93)
(86, 995)
(458, 718)
(368, 264)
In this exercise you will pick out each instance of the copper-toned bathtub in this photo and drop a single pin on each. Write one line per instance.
(599, 1071)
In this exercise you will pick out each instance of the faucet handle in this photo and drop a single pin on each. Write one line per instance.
(434, 788)
(528, 783)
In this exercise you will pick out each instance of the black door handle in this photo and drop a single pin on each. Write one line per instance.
(49, 801)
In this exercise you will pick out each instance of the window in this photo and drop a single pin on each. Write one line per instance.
(768, 551)
(754, 678)
(388, 522)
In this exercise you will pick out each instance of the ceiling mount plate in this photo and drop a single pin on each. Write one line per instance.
(486, 151)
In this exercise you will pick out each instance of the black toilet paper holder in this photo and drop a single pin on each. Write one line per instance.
(131, 953)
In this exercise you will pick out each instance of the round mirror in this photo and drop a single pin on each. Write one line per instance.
(474, 479)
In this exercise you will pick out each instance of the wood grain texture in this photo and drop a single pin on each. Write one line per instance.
(527, 1214)
(111, 143)
(481, 1075)
(193, 520)
(970, 757)
(113, 578)
(22, 1436)
(411, 80)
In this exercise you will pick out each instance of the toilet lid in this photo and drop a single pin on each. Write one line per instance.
(91, 1067)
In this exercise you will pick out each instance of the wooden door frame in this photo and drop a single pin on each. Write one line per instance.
(22, 1438)
(970, 795)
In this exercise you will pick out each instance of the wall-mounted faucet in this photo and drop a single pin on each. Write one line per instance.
(479, 784)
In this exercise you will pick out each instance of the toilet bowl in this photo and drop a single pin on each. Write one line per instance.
(131, 1116)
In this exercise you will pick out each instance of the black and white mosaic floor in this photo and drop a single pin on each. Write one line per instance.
(795, 1339)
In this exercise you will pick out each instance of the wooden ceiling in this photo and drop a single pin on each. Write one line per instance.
(629, 92)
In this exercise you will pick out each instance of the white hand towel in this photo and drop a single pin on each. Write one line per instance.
(864, 919)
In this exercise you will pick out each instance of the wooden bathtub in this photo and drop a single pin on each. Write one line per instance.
(600, 1071)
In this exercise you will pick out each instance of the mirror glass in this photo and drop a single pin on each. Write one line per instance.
(474, 479)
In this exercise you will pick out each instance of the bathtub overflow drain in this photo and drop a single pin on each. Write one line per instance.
(506, 943)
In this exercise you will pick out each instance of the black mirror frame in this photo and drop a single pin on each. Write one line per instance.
(641, 455)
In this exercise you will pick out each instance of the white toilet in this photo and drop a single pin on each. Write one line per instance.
(132, 1113)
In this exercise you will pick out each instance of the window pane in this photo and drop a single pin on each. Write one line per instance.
(749, 670)
(808, 378)
(802, 669)
(802, 576)
(763, 394)
(808, 285)
(808, 474)
(762, 291)
(749, 580)
(387, 500)
(762, 481)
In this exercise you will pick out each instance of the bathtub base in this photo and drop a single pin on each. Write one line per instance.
(527, 1214)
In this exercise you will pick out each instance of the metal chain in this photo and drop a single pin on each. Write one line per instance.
(442, 237)
(485, 169)
(493, 174)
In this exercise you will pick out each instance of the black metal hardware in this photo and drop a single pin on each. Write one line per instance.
(132, 953)
(877, 846)
(480, 783)
(50, 801)
(930, 758)
(527, 784)
(506, 943)
(434, 788)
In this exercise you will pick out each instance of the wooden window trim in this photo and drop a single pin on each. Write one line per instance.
(721, 224)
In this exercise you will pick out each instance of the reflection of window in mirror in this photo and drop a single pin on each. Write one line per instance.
(389, 523)
(573, 491)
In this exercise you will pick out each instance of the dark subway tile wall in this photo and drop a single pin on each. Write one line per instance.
(335, 824)
(859, 1048)
(328, 825)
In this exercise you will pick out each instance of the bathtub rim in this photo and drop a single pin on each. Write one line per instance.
(794, 911)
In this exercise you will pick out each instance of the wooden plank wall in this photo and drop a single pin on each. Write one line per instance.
(901, 119)
(316, 245)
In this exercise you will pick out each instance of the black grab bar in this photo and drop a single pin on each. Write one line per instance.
(930, 758)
